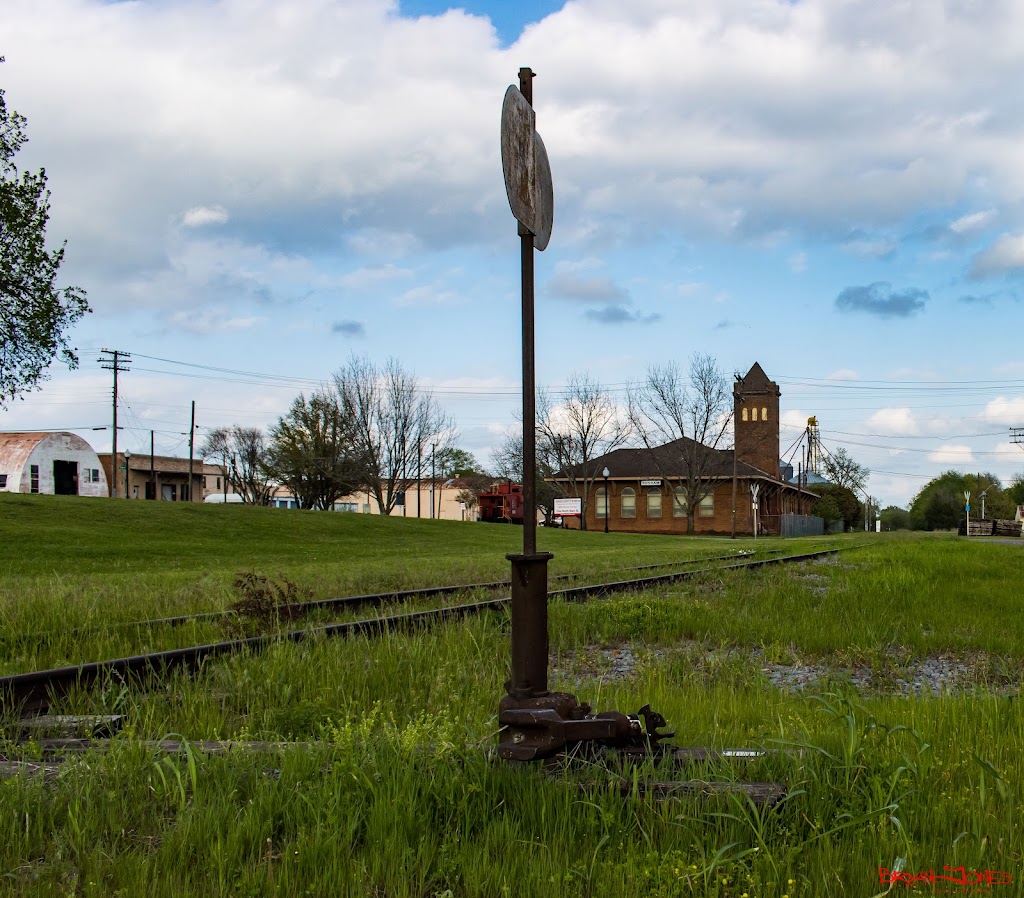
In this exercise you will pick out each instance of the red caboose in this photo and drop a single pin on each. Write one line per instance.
(503, 505)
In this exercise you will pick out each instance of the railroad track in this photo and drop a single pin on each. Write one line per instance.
(47, 756)
(376, 600)
(36, 691)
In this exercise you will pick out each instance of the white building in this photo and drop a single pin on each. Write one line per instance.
(60, 464)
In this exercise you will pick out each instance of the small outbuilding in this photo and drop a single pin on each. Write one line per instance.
(61, 464)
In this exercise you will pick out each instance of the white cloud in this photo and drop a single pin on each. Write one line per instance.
(366, 277)
(1007, 412)
(211, 321)
(427, 296)
(793, 420)
(1004, 256)
(738, 119)
(199, 216)
(798, 263)
(952, 455)
(843, 374)
(894, 422)
(976, 221)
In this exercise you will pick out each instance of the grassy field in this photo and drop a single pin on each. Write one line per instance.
(889, 677)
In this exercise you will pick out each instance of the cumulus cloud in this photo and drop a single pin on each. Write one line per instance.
(199, 216)
(349, 328)
(769, 126)
(880, 299)
(1005, 256)
(894, 422)
(952, 455)
(1005, 411)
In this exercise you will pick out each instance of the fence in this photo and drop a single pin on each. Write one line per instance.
(801, 525)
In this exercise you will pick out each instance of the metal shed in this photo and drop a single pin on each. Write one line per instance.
(60, 464)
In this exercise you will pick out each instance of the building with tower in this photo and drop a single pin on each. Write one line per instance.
(646, 490)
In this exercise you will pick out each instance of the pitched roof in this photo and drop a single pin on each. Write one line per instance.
(756, 381)
(658, 461)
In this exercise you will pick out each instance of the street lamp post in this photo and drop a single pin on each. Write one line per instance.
(127, 457)
(605, 474)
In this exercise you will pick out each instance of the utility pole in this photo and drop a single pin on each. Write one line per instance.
(433, 477)
(735, 452)
(116, 361)
(152, 465)
(191, 438)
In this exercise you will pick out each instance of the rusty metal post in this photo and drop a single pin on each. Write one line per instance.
(530, 569)
(529, 625)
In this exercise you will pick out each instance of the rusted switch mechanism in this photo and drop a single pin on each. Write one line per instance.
(542, 726)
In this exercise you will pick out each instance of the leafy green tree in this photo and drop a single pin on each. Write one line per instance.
(894, 518)
(841, 469)
(1015, 491)
(940, 503)
(827, 509)
(312, 451)
(454, 462)
(848, 509)
(35, 313)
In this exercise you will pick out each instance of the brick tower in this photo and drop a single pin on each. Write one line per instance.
(756, 411)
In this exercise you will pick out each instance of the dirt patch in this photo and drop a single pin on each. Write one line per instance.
(934, 675)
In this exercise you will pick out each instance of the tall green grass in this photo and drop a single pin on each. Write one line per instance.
(386, 786)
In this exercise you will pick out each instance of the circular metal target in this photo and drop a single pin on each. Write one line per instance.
(527, 170)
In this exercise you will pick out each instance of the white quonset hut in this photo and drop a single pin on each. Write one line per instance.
(60, 464)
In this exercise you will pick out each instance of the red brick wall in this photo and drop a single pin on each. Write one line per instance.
(720, 522)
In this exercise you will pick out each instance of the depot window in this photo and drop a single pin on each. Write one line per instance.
(679, 502)
(654, 502)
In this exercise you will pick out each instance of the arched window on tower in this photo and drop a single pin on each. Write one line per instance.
(744, 414)
(764, 413)
(753, 413)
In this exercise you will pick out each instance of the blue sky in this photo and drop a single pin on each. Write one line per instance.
(253, 192)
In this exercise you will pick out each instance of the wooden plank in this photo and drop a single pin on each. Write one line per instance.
(70, 726)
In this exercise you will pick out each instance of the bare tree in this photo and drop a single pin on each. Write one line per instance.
(583, 424)
(394, 418)
(508, 465)
(243, 452)
(682, 419)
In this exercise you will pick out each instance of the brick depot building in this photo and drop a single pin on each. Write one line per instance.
(645, 491)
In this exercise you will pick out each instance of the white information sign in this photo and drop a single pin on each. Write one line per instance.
(568, 508)
(650, 483)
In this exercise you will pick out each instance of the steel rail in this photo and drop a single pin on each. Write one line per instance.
(372, 599)
(37, 690)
